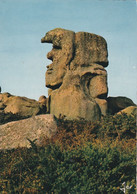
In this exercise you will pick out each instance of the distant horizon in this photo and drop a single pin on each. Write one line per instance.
(23, 58)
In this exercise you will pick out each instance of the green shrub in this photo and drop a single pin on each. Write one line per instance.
(118, 126)
(87, 169)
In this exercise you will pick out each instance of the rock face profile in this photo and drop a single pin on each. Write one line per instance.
(76, 78)
(16, 134)
(77, 82)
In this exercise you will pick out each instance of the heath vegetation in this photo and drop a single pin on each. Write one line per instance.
(83, 157)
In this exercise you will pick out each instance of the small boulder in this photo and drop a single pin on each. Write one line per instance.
(42, 100)
(131, 110)
(116, 104)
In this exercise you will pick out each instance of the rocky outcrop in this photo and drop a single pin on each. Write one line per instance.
(21, 106)
(16, 134)
(116, 104)
(77, 82)
(76, 77)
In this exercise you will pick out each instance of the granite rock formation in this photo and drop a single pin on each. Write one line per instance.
(76, 78)
(16, 134)
(77, 82)
(21, 106)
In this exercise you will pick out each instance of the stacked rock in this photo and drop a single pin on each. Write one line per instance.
(76, 78)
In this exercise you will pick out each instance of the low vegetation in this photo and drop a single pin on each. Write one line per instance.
(8, 117)
(82, 157)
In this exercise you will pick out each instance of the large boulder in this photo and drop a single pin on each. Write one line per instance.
(21, 106)
(16, 134)
(76, 77)
(116, 104)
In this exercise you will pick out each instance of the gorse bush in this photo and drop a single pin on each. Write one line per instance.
(87, 169)
(81, 158)
(119, 129)
(118, 126)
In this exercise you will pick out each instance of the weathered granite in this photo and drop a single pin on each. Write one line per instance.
(22, 106)
(15, 134)
(76, 77)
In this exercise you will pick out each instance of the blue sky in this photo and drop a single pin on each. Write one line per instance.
(24, 22)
